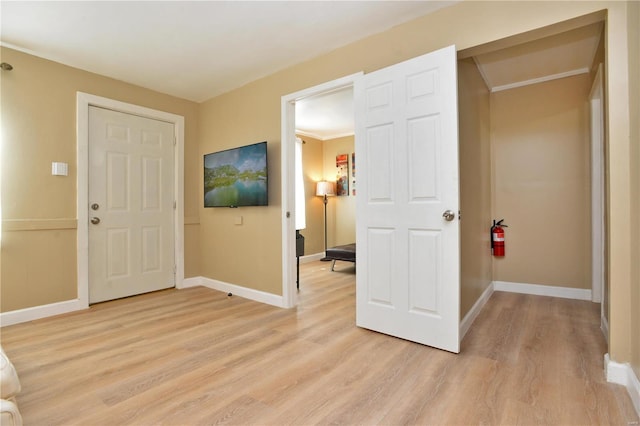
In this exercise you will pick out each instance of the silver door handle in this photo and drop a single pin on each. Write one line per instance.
(95, 220)
(449, 215)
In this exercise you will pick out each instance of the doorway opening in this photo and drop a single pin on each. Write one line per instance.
(288, 104)
(540, 158)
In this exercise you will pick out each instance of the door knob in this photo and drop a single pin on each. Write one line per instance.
(95, 206)
(449, 215)
(95, 220)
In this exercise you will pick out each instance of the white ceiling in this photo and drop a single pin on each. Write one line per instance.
(199, 49)
(557, 56)
(195, 49)
(326, 116)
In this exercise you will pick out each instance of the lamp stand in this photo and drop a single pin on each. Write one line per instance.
(325, 201)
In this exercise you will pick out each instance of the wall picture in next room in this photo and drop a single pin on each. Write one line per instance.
(342, 176)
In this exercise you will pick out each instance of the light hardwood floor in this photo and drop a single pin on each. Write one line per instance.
(196, 356)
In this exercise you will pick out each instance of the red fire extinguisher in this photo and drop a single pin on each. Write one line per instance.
(497, 238)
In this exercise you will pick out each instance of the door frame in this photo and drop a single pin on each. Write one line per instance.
(287, 141)
(598, 229)
(84, 101)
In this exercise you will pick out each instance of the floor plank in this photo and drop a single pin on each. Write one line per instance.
(198, 356)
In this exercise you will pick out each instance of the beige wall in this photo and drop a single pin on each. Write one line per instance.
(39, 210)
(634, 196)
(541, 162)
(341, 211)
(620, 72)
(247, 255)
(475, 185)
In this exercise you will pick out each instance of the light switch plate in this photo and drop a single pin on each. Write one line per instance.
(59, 169)
(238, 220)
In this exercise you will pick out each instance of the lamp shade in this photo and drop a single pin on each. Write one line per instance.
(324, 188)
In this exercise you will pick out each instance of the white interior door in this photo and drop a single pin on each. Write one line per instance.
(131, 205)
(408, 281)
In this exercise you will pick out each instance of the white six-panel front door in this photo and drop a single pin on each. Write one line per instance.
(131, 205)
(408, 280)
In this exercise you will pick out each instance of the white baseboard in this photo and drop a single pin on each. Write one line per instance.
(543, 290)
(191, 282)
(471, 316)
(38, 312)
(624, 375)
(247, 293)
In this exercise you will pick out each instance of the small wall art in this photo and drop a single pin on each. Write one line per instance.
(342, 177)
(353, 173)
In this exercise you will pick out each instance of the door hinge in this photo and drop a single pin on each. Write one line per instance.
(175, 141)
(175, 204)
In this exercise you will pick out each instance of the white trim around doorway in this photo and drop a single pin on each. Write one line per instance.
(84, 100)
(598, 236)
